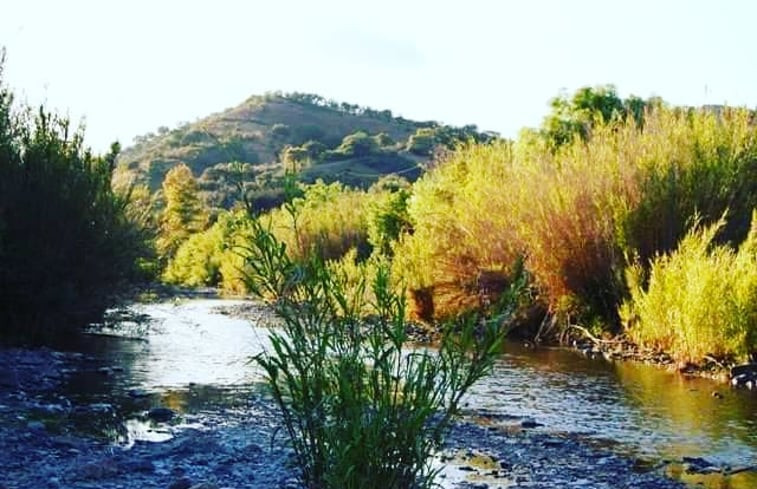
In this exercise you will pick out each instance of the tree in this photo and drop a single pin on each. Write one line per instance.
(422, 142)
(357, 144)
(184, 213)
(67, 243)
(575, 116)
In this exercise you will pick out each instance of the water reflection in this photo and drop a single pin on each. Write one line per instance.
(194, 360)
(648, 411)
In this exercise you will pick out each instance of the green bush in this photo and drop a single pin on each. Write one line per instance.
(67, 240)
(356, 145)
(699, 300)
(422, 142)
(362, 409)
(330, 218)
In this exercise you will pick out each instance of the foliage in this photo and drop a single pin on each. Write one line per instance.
(422, 142)
(387, 218)
(360, 410)
(699, 300)
(183, 214)
(67, 238)
(575, 116)
(463, 245)
(330, 218)
(357, 144)
(689, 163)
(576, 213)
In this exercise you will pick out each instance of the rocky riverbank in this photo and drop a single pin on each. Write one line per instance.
(41, 445)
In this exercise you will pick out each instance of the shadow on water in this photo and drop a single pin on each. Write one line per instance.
(188, 357)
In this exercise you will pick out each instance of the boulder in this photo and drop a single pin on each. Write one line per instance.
(161, 414)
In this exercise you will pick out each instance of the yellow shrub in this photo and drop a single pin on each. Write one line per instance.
(700, 299)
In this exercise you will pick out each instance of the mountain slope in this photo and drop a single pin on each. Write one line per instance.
(326, 139)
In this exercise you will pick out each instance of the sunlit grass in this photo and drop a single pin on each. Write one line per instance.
(699, 300)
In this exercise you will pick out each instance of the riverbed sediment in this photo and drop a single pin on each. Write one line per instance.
(245, 448)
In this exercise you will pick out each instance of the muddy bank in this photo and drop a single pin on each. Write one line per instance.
(41, 444)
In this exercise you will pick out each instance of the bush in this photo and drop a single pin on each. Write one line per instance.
(330, 218)
(214, 257)
(66, 242)
(422, 142)
(699, 300)
(361, 410)
(577, 212)
(356, 145)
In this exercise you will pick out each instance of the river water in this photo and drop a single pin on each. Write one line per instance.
(190, 357)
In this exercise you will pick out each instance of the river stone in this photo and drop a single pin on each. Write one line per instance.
(530, 423)
(35, 426)
(161, 414)
(749, 369)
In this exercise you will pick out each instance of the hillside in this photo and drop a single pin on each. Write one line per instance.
(324, 138)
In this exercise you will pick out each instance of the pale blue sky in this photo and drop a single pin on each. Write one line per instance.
(128, 67)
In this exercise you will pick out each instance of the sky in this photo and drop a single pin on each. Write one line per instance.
(125, 68)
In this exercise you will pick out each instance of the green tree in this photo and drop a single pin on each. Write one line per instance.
(357, 144)
(422, 142)
(67, 243)
(184, 213)
(576, 115)
(387, 217)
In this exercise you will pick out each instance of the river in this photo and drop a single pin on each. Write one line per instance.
(190, 357)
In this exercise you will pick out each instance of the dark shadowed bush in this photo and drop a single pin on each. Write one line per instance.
(66, 243)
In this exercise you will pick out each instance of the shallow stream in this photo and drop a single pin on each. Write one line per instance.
(190, 357)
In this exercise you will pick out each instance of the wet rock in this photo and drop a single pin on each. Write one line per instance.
(139, 465)
(161, 414)
(35, 426)
(138, 393)
(530, 423)
(100, 408)
(749, 369)
(698, 465)
(183, 483)
(49, 409)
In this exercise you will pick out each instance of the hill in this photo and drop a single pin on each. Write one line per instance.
(246, 148)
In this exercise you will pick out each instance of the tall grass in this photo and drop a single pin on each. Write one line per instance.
(576, 215)
(699, 300)
(330, 219)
